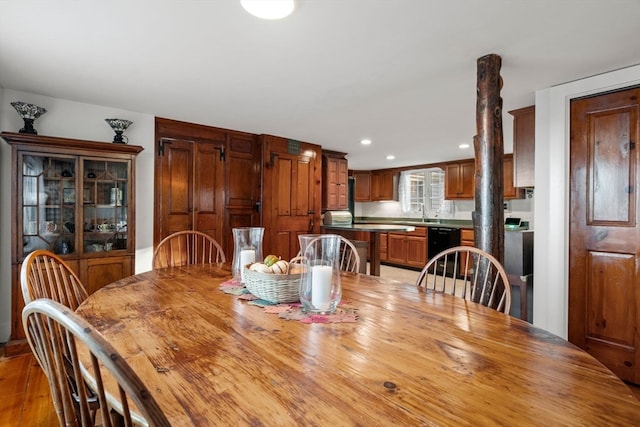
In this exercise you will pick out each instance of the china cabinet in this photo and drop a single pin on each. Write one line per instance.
(75, 198)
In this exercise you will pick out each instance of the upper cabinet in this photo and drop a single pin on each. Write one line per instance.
(362, 186)
(384, 185)
(335, 175)
(524, 120)
(510, 190)
(459, 180)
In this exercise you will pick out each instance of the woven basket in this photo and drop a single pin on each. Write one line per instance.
(276, 288)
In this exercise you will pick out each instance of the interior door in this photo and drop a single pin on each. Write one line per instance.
(191, 188)
(292, 191)
(604, 231)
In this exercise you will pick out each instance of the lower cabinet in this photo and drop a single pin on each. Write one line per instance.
(408, 249)
(98, 272)
(466, 239)
(384, 246)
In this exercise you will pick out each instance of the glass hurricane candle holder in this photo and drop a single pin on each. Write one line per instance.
(119, 126)
(320, 287)
(247, 249)
(28, 112)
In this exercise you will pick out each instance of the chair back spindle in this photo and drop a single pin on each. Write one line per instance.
(470, 273)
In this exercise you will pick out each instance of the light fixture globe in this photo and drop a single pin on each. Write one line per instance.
(28, 112)
(268, 9)
(119, 126)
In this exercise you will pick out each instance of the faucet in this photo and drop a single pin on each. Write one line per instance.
(424, 217)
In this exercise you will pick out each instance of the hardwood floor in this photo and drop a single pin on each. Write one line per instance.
(25, 399)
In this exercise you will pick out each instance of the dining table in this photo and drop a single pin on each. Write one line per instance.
(392, 354)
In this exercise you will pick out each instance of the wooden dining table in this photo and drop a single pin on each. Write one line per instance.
(411, 357)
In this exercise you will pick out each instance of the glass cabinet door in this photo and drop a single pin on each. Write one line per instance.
(48, 194)
(105, 205)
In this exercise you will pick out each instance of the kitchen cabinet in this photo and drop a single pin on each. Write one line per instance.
(362, 187)
(524, 120)
(466, 239)
(510, 190)
(384, 185)
(74, 198)
(460, 180)
(384, 246)
(334, 183)
(408, 249)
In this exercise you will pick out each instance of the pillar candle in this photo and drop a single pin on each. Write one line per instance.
(246, 256)
(321, 286)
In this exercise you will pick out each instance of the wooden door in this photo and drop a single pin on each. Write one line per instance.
(604, 250)
(191, 183)
(291, 194)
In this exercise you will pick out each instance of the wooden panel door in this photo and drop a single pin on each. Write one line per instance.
(291, 194)
(242, 188)
(191, 188)
(604, 272)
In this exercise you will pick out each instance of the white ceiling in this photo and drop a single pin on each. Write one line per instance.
(400, 72)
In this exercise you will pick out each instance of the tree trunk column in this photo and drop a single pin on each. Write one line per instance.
(488, 217)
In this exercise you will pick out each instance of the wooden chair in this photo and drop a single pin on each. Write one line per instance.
(57, 335)
(470, 273)
(187, 247)
(46, 275)
(349, 257)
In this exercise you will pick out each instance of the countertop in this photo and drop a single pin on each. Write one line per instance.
(372, 227)
(417, 222)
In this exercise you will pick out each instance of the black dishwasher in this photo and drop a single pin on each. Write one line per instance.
(439, 239)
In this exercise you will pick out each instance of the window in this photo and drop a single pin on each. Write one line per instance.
(422, 191)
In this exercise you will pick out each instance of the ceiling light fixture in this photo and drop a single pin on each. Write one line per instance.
(391, 157)
(365, 142)
(268, 9)
(463, 146)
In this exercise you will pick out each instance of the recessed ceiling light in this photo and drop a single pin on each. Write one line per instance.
(391, 157)
(268, 9)
(365, 142)
(464, 145)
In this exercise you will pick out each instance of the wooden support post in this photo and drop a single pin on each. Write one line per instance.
(488, 217)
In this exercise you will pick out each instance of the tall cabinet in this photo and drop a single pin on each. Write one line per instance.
(77, 199)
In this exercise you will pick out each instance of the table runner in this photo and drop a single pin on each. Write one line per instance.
(290, 311)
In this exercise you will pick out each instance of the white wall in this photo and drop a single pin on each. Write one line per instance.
(81, 121)
(551, 211)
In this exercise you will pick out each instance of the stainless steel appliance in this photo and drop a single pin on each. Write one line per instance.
(337, 218)
(439, 239)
